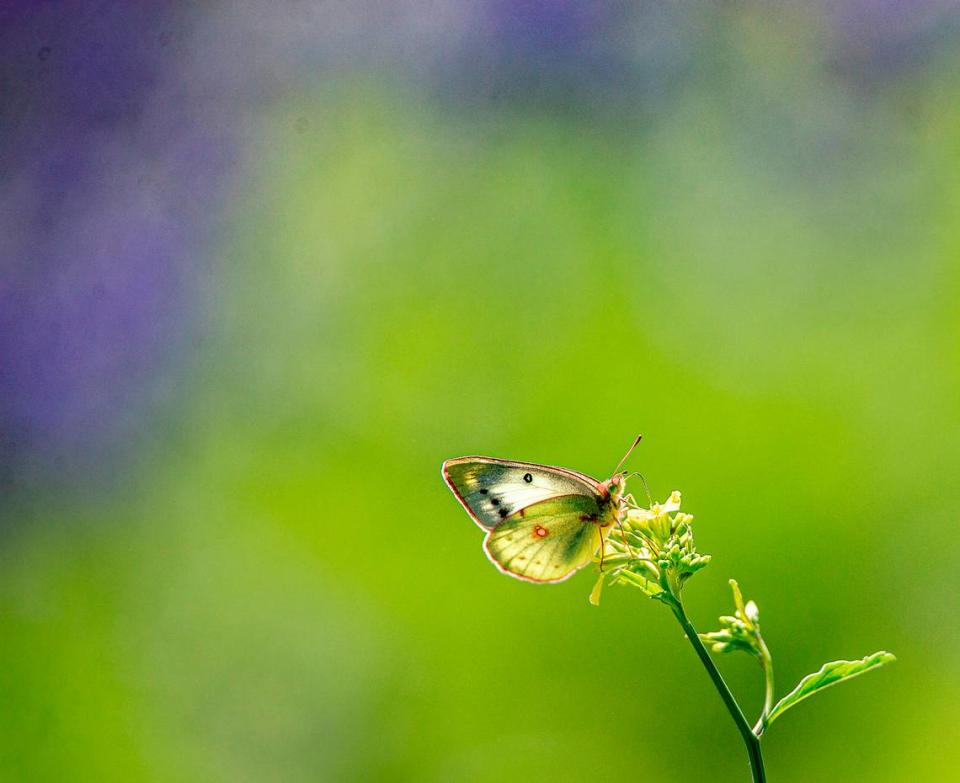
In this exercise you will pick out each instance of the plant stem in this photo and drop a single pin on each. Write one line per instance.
(751, 740)
(766, 663)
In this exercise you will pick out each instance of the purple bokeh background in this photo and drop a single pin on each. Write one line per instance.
(110, 179)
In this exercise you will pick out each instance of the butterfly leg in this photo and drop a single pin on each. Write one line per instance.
(623, 534)
(603, 547)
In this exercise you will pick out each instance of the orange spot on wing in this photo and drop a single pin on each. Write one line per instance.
(540, 532)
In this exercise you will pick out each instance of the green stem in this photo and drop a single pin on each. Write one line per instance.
(751, 740)
(766, 663)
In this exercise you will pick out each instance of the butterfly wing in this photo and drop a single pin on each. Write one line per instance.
(550, 540)
(491, 490)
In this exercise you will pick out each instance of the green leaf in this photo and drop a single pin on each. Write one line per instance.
(829, 674)
(595, 593)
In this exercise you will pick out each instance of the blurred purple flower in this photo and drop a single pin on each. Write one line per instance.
(106, 182)
(587, 58)
(880, 39)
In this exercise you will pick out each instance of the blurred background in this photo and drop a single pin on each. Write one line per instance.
(264, 266)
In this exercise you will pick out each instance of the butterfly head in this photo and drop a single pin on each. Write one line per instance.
(614, 485)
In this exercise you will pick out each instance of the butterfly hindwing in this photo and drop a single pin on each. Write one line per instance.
(492, 490)
(548, 541)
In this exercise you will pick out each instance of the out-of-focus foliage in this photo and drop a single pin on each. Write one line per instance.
(263, 269)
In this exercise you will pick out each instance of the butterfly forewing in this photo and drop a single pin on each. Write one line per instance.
(493, 490)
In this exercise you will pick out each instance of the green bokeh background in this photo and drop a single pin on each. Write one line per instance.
(282, 588)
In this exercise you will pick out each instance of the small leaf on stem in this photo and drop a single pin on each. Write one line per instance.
(829, 674)
(595, 593)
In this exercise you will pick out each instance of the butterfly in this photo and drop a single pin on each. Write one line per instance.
(543, 523)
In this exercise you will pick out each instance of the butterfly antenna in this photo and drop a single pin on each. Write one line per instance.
(646, 488)
(627, 455)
